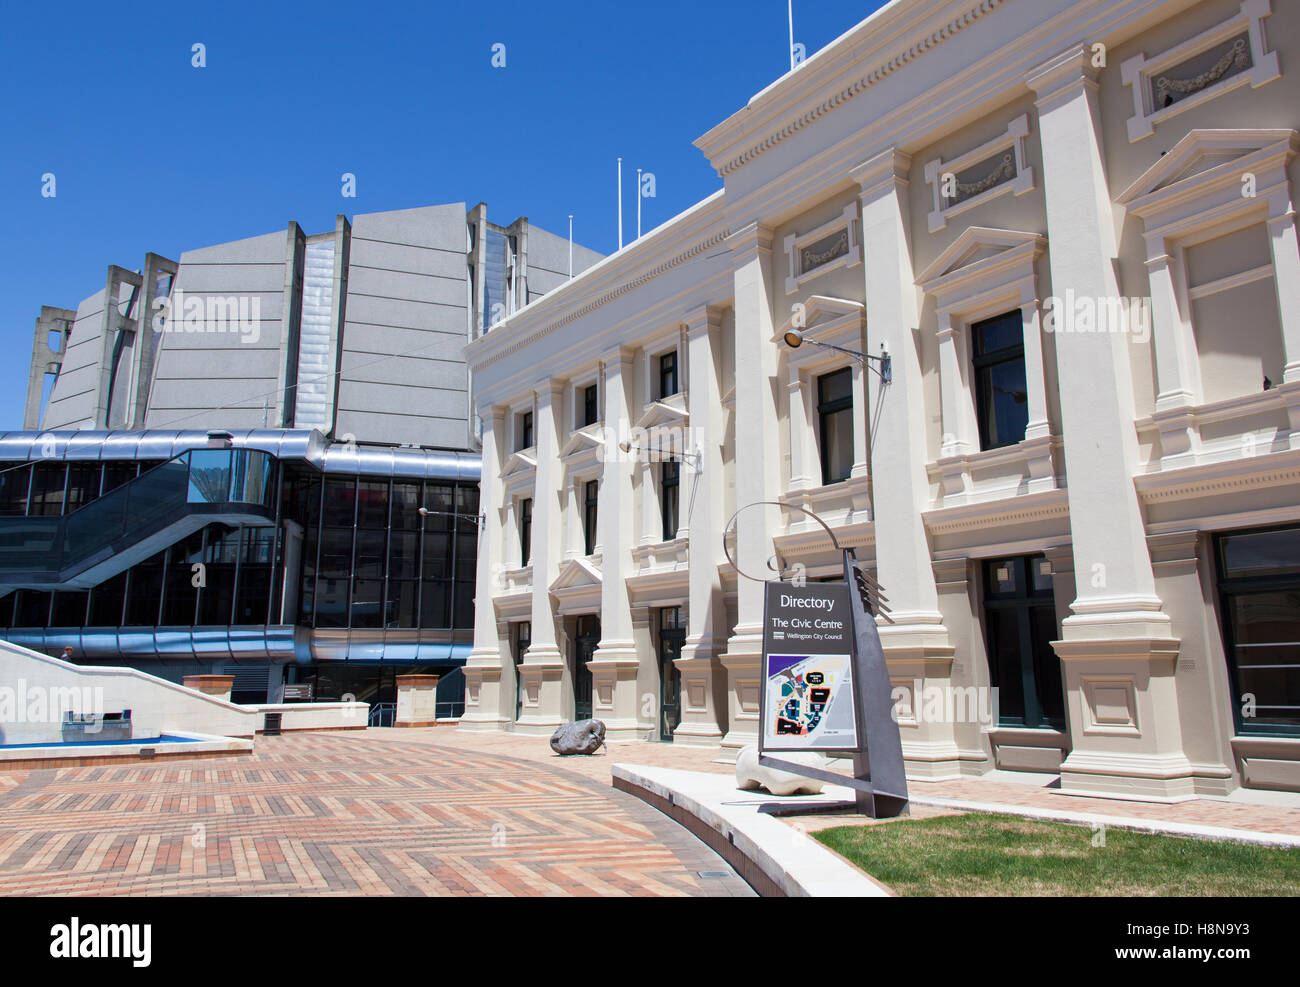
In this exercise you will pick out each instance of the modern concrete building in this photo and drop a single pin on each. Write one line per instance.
(1071, 226)
(225, 458)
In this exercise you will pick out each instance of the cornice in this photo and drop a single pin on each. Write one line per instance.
(843, 50)
(509, 340)
(1014, 511)
(1219, 479)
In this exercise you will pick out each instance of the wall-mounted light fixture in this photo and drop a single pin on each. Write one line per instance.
(794, 338)
(478, 519)
(627, 446)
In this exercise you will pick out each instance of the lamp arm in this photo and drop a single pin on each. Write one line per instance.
(886, 362)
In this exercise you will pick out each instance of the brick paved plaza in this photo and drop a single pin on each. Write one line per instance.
(413, 812)
(382, 813)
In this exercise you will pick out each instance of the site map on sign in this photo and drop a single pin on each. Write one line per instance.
(810, 702)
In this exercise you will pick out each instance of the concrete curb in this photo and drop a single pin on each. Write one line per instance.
(773, 857)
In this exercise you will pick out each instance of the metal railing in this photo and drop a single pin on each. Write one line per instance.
(50, 548)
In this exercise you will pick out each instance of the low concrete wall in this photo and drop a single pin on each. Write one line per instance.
(36, 690)
(315, 716)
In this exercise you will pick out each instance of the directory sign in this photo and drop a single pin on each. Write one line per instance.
(808, 700)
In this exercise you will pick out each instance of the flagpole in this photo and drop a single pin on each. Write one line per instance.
(789, 9)
(620, 203)
(638, 203)
(571, 246)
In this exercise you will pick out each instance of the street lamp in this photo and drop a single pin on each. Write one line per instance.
(794, 338)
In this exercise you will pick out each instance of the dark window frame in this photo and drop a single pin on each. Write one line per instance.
(669, 381)
(590, 405)
(526, 531)
(670, 498)
(1226, 588)
(1023, 600)
(526, 436)
(826, 409)
(983, 361)
(590, 514)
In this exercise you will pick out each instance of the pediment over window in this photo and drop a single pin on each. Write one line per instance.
(584, 440)
(659, 414)
(821, 313)
(523, 461)
(576, 574)
(979, 250)
(1206, 157)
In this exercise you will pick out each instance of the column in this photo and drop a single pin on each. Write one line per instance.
(802, 457)
(917, 645)
(861, 442)
(704, 685)
(1178, 372)
(1285, 246)
(545, 669)
(1117, 638)
(757, 461)
(1286, 280)
(1203, 699)
(574, 519)
(616, 663)
(652, 524)
(1036, 427)
(960, 437)
(489, 670)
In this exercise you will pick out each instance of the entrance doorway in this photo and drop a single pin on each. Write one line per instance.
(584, 646)
(672, 632)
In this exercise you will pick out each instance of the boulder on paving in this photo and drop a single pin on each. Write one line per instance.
(578, 737)
(751, 775)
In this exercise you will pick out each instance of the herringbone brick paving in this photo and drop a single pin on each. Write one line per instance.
(342, 814)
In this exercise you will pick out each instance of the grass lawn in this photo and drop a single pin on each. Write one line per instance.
(986, 854)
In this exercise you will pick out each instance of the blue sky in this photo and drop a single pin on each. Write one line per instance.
(152, 154)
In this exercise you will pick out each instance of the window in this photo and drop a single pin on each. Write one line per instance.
(668, 374)
(523, 639)
(525, 531)
(526, 430)
(1259, 589)
(1020, 624)
(669, 484)
(590, 504)
(835, 424)
(1001, 393)
(590, 407)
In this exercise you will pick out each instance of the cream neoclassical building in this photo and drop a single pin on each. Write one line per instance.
(1071, 225)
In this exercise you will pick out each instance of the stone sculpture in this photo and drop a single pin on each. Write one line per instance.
(578, 737)
(751, 775)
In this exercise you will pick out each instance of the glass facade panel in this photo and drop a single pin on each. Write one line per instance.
(13, 490)
(369, 559)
